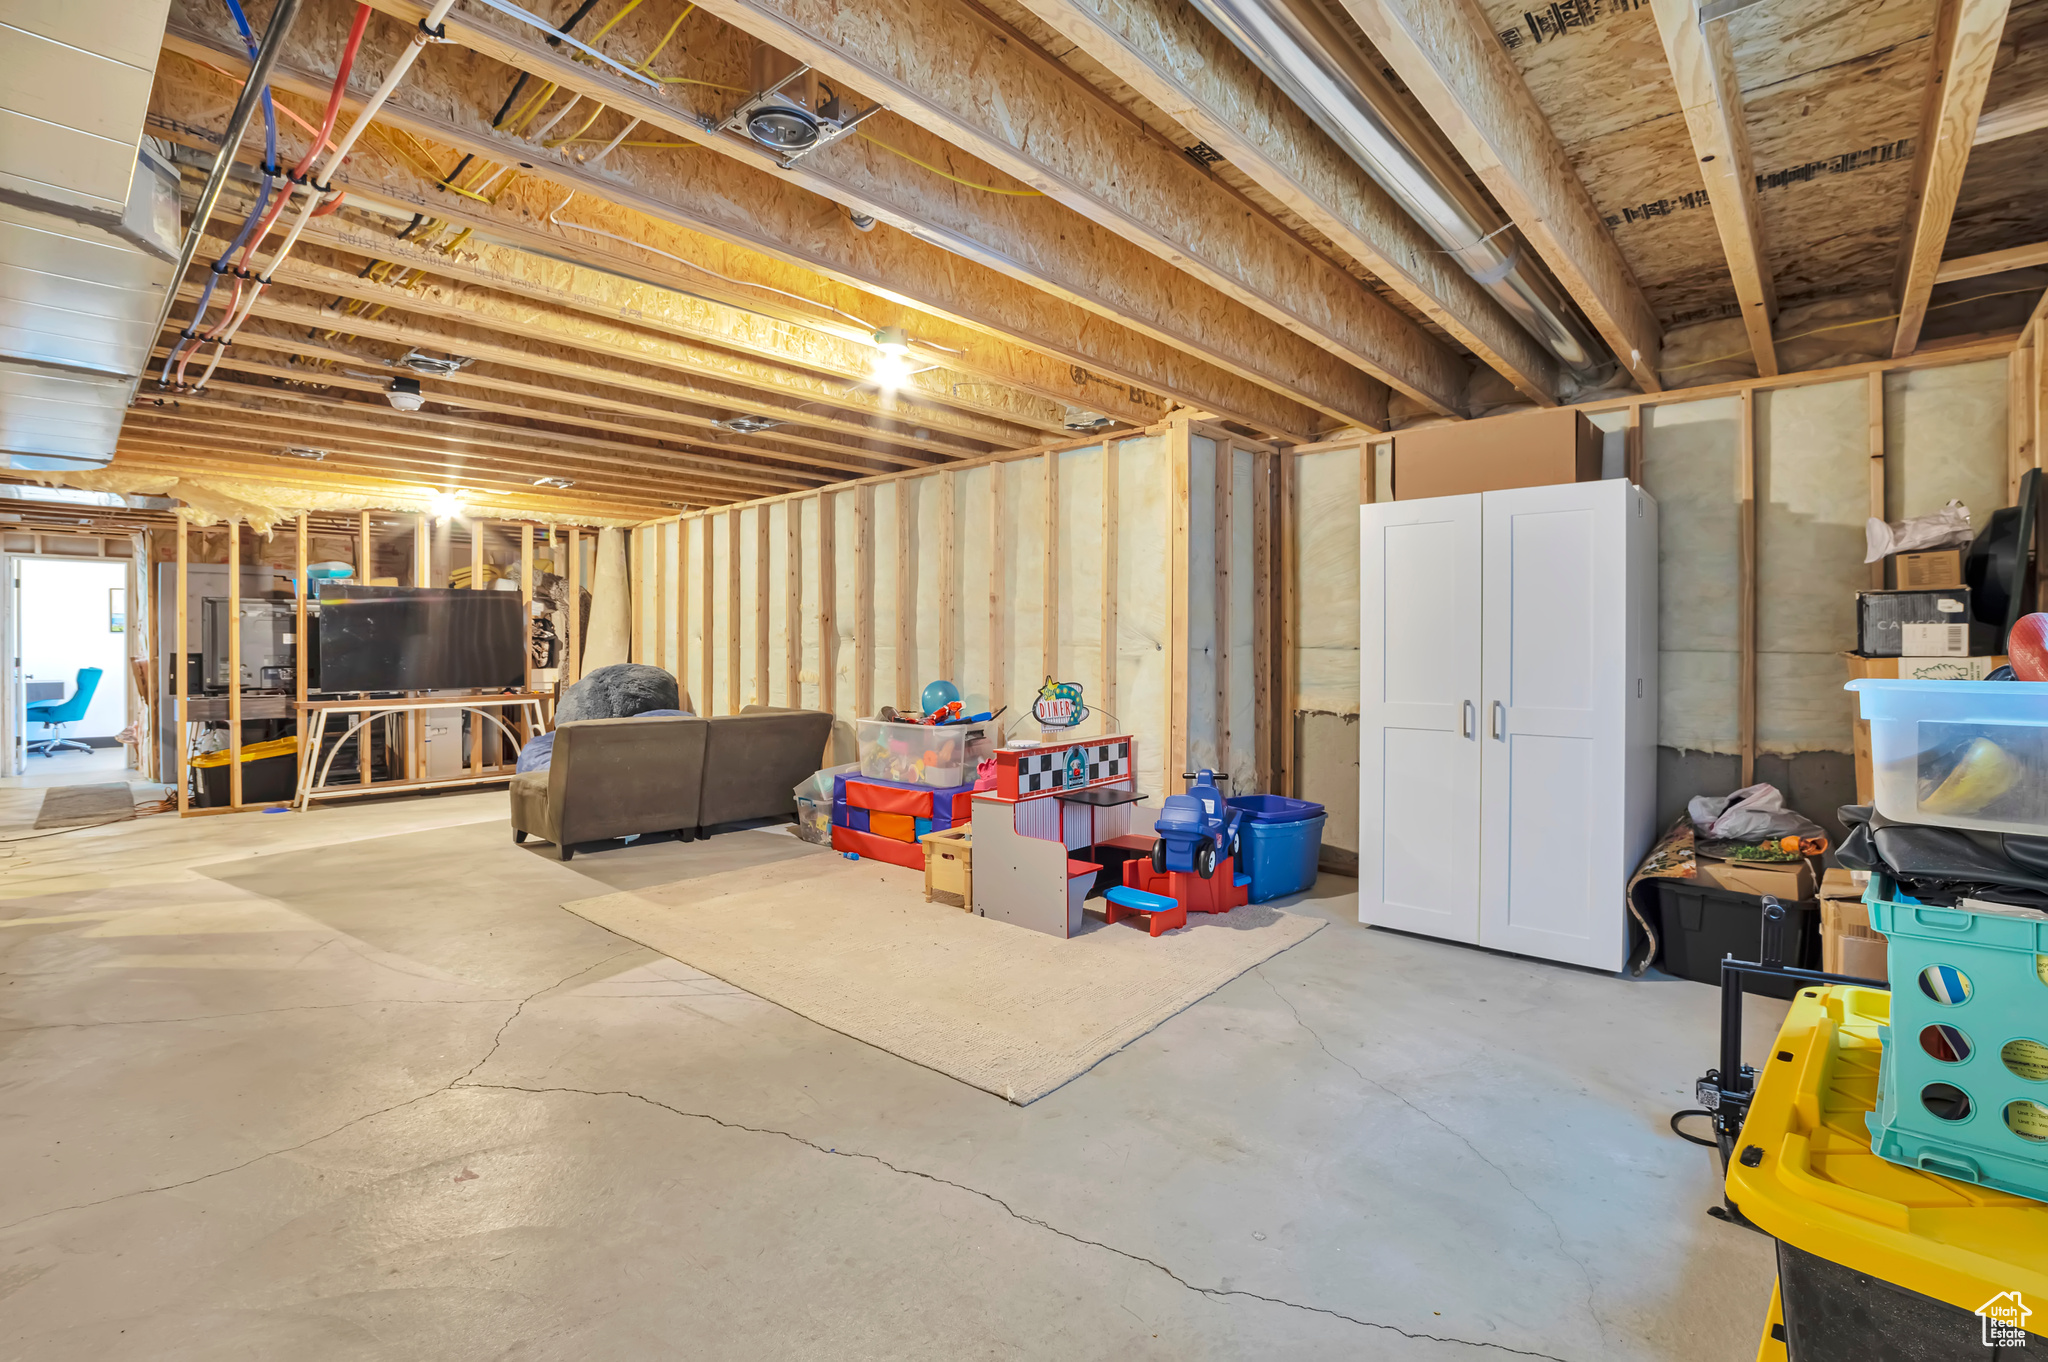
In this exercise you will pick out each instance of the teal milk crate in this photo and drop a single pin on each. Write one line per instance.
(1963, 1081)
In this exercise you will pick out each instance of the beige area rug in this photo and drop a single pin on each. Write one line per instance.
(78, 806)
(854, 946)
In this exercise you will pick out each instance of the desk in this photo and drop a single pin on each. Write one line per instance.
(1049, 800)
(43, 692)
(313, 716)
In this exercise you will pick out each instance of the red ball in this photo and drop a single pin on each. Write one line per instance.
(2028, 648)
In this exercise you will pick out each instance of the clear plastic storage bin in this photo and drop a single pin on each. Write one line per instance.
(1959, 754)
(940, 757)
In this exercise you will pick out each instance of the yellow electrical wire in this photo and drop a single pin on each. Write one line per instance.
(599, 35)
(1839, 326)
(948, 175)
(577, 141)
(644, 68)
(560, 141)
(425, 169)
(529, 109)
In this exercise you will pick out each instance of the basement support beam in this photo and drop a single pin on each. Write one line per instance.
(1702, 63)
(1169, 54)
(1445, 52)
(1966, 34)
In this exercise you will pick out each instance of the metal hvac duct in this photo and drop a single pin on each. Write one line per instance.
(1303, 52)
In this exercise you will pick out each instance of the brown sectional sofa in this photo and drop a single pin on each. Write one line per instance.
(617, 777)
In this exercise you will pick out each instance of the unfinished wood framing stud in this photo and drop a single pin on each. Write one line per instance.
(1049, 588)
(864, 600)
(573, 662)
(1745, 498)
(793, 604)
(1873, 401)
(1264, 529)
(1224, 474)
(476, 583)
(949, 572)
(1179, 460)
(180, 681)
(661, 631)
(761, 612)
(234, 677)
(2019, 417)
(732, 611)
(998, 598)
(1966, 34)
(707, 652)
(1288, 570)
(828, 603)
(1107, 678)
(905, 686)
(526, 621)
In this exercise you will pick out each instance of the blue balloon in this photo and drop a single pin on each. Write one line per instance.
(939, 693)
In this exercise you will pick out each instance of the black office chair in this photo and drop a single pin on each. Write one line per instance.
(59, 714)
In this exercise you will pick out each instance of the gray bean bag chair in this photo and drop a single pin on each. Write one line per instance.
(619, 691)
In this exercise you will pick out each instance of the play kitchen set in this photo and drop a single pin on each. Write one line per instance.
(1936, 1247)
(1026, 831)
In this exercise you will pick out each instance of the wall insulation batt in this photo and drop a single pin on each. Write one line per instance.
(1944, 436)
(993, 575)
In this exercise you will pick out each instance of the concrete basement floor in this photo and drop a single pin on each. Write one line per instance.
(349, 1084)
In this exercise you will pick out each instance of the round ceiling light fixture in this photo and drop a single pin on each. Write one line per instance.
(783, 127)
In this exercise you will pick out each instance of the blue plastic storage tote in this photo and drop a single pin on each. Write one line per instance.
(1963, 1082)
(1280, 858)
(1274, 808)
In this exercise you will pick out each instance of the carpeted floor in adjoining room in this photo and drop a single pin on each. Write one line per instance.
(353, 1084)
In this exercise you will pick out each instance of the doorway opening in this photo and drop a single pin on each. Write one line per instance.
(70, 700)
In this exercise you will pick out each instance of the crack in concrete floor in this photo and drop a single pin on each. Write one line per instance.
(1556, 1230)
(496, 1040)
(1215, 1293)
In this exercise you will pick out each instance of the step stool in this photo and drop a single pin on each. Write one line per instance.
(1164, 914)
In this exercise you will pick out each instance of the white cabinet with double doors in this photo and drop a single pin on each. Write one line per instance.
(1508, 716)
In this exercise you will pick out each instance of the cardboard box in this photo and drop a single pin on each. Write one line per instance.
(1883, 619)
(1847, 943)
(1924, 571)
(1528, 449)
(1790, 881)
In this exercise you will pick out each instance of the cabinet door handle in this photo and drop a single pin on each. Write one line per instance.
(1466, 725)
(1500, 721)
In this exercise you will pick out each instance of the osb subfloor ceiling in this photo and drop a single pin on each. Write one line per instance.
(626, 322)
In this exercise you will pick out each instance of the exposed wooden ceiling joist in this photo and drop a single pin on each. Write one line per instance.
(324, 388)
(1166, 52)
(551, 455)
(945, 67)
(172, 459)
(799, 398)
(1965, 44)
(2029, 113)
(1169, 350)
(1446, 54)
(846, 455)
(701, 321)
(1703, 71)
(221, 428)
(510, 250)
(534, 398)
(1992, 262)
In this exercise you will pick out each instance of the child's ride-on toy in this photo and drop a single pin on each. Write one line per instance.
(1197, 830)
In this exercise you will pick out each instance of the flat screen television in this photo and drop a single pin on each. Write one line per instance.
(382, 638)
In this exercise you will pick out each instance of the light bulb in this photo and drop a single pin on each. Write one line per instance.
(444, 505)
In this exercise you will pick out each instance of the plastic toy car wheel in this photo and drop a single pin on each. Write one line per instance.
(1205, 860)
(1159, 856)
